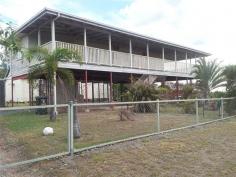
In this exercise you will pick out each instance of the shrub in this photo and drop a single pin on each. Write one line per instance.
(189, 92)
(142, 92)
(188, 108)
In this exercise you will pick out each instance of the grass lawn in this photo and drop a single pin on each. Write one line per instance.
(22, 131)
(203, 151)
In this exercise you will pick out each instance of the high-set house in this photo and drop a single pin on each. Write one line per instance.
(110, 55)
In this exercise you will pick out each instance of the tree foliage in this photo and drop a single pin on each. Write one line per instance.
(189, 92)
(3, 70)
(209, 76)
(9, 46)
(48, 64)
(141, 92)
(230, 75)
(9, 42)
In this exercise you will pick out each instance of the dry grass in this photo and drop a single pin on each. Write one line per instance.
(202, 151)
(24, 130)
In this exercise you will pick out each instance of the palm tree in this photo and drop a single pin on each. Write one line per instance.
(47, 66)
(209, 76)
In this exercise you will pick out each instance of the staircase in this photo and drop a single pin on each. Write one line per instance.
(147, 79)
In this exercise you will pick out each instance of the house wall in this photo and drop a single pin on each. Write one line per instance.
(33, 39)
(25, 42)
(20, 90)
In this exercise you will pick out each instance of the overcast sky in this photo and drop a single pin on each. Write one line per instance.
(207, 25)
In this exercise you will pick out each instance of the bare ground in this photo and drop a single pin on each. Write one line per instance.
(204, 151)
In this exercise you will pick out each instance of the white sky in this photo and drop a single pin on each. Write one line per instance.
(207, 25)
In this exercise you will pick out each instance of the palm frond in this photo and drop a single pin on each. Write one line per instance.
(37, 71)
(36, 53)
(62, 54)
(208, 74)
(66, 75)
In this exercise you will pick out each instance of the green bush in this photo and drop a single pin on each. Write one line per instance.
(188, 108)
(230, 105)
(189, 92)
(142, 92)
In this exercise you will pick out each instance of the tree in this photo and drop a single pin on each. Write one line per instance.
(209, 76)
(47, 66)
(4, 70)
(230, 75)
(9, 39)
(10, 44)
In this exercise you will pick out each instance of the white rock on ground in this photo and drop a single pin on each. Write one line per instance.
(47, 131)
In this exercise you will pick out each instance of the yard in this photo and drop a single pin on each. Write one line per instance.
(203, 151)
(22, 131)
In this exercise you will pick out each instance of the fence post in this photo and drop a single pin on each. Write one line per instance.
(222, 108)
(158, 115)
(197, 116)
(70, 128)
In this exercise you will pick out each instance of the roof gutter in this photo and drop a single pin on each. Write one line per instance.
(58, 16)
(35, 18)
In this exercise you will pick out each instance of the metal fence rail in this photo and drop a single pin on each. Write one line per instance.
(100, 126)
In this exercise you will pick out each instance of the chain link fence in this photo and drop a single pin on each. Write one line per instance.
(21, 134)
(81, 127)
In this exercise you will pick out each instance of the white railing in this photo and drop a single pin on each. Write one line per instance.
(156, 64)
(121, 59)
(181, 66)
(47, 46)
(100, 56)
(169, 65)
(140, 61)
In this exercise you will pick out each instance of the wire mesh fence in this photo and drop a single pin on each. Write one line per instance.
(100, 124)
(177, 114)
(22, 133)
(80, 127)
(209, 110)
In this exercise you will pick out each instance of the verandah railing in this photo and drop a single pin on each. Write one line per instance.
(100, 56)
(101, 124)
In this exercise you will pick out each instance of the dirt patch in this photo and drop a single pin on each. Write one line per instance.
(10, 150)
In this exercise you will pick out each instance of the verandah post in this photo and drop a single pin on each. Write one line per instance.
(197, 117)
(86, 85)
(70, 128)
(158, 115)
(111, 89)
(222, 108)
(53, 37)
